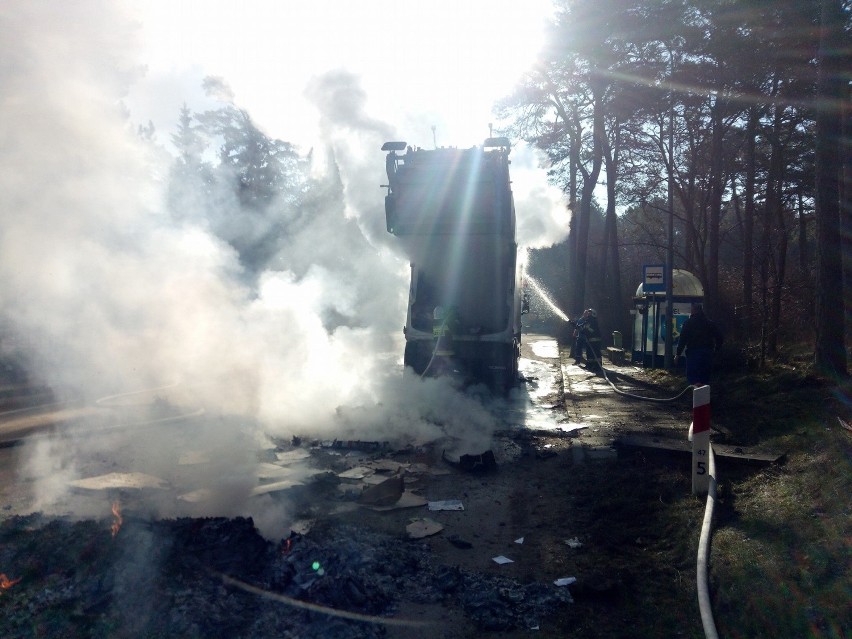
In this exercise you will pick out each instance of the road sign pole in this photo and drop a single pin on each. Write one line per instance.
(700, 440)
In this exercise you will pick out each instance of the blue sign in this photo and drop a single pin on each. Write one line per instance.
(654, 278)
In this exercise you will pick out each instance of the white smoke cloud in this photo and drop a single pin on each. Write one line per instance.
(112, 293)
(542, 212)
(114, 296)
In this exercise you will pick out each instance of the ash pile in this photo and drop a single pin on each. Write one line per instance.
(218, 577)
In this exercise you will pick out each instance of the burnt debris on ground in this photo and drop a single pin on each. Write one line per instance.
(219, 578)
(621, 520)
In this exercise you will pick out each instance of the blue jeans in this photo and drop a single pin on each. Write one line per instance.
(698, 364)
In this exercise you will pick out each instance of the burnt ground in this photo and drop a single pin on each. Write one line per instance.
(561, 501)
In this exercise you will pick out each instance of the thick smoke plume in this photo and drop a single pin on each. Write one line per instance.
(110, 294)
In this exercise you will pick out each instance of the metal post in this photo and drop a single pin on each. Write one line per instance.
(655, 342)
(670, 243)
(644, 335)
(700, 440)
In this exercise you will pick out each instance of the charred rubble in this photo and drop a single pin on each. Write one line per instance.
(218, 577)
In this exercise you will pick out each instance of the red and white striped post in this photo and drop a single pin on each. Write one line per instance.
(700, 440)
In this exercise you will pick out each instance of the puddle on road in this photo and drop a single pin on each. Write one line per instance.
(546, 348)
(533, 405)
(543, 378)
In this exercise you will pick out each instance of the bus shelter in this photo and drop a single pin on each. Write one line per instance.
(650, 322)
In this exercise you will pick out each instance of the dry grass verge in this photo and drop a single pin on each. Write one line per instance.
(781, 546)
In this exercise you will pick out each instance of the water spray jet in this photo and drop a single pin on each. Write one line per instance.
(546, 298)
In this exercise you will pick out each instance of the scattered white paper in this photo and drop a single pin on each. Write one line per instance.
(573, 543)
(519, 540)
(425, 527)
(565, 581)
(289, 456)
(446, 504)
(358, 472)
(502, 560)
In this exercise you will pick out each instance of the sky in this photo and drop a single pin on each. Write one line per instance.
(107, 295)
(414, 67)
(441, 63)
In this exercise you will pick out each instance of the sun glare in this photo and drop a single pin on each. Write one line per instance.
(443, 63)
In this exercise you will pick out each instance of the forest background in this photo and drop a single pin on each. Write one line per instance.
(722, 125)
(718, 131)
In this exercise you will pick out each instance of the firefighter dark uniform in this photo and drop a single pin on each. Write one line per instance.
(577, 341)
(590, 337)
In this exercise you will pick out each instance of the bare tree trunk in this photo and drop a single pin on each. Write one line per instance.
(830, 351)
(766, 262)
(803, 236)
(610, 264)
(575, 132)
(780, 253)
(590, 180)
(691, 254)
(772, 203)
(717, 185)
(765, 258)
(846, 203)
(570, 115)
(748, 224)
(574, 162)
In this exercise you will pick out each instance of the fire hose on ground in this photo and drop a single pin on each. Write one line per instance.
(631, 395)
(703, 557)
(702, 563)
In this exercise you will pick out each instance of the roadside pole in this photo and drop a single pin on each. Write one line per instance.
(700, 440)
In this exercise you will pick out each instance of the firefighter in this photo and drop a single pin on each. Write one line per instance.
(590, 337)
(576, 338)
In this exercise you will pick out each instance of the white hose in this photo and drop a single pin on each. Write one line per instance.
(661, 400)
(704, 554)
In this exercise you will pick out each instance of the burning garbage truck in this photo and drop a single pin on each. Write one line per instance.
(453, 213)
